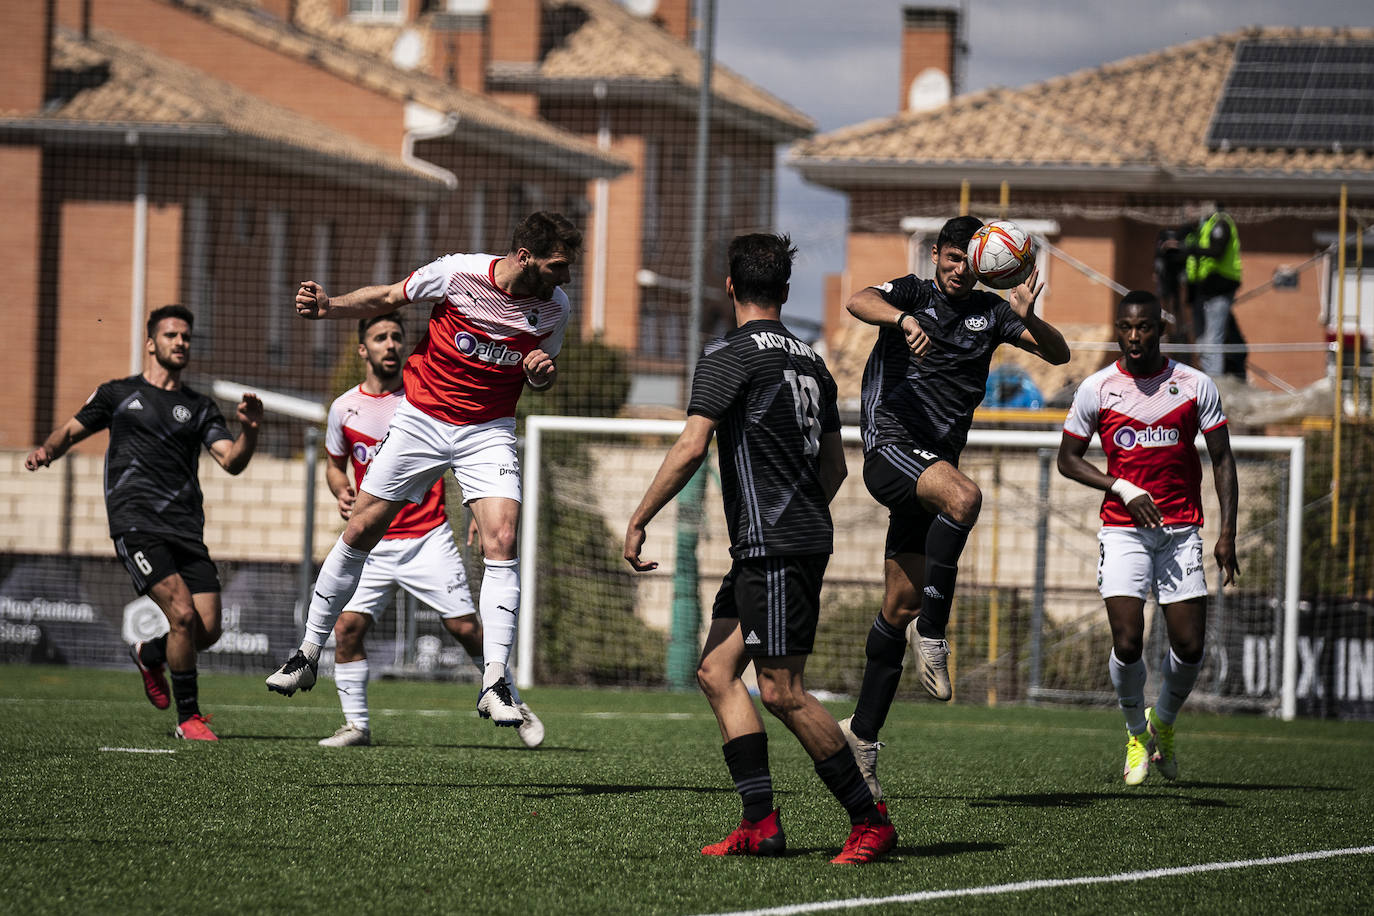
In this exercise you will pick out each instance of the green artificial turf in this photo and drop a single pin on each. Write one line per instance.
(448, 814)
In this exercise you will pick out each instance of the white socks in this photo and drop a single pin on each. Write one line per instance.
(1129, 681)
(1179, 678)
(499, 604)
(481, 665)
(338, 580)
(350, 678)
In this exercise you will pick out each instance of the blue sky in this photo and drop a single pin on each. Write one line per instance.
(838, 62)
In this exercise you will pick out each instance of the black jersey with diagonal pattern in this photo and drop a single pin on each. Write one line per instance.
(772, 398)
(156, 435)
(929, 402)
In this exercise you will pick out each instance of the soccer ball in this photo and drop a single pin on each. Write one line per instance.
(1001, 255)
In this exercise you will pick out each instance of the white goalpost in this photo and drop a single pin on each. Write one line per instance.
(1013, 455)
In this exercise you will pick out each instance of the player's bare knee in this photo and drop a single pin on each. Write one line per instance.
(208, 636)
(181, 619)
(966, 503)
(349, 632)
(1128, 651)
(500, 543)
(713, 679)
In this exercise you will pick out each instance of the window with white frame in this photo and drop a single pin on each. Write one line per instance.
(379, 10)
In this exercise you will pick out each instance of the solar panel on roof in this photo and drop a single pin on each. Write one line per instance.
(1315, 95)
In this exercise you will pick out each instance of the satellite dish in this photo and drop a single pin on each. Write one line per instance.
(408, 50)
(931, 89)
(644, 8)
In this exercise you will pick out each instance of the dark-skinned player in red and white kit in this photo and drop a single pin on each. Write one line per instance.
(496, 325)
(1147, 410)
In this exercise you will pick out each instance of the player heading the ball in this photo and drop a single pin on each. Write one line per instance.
(926, 374)
(496, 324)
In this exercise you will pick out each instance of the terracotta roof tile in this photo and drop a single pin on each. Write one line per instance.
(616, 44)
(114, 82)
(361, 54)
(1151, 110)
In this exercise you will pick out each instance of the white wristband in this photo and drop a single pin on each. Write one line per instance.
(1126, 490)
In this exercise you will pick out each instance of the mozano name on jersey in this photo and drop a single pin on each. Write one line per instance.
(766, 340)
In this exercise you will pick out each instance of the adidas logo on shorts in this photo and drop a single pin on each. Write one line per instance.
(933, 592)
(752, 639)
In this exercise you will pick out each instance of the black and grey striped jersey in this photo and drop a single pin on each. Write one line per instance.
(772, 398)
(929, 402)
(156, 435)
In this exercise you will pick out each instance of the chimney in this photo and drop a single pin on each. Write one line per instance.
(932, 52)
(674, 17)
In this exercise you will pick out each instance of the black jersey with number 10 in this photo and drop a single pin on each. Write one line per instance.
(156, 435)
(772, 398)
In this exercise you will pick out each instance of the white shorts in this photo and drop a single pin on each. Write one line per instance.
(1133, 561)
(429, 567)
(418, 449)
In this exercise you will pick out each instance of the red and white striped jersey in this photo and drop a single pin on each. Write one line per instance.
(468, 366)
(357, 422)
(1147, 426)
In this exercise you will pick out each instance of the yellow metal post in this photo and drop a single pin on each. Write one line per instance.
(963, 197)
(1338, 409)
(1003, 200)
(994, 602)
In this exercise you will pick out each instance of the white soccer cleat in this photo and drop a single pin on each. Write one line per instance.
(1161, 745)
(866, 756)
(349, 735)
(932, 655)
(297, 674)
(531, 730)
(495, 703)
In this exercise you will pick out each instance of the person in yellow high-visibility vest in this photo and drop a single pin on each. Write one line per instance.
(1214, 271)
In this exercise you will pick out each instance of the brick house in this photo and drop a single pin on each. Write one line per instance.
(1098, 160)
(215, 152)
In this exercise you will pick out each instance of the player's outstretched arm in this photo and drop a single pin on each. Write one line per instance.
(314, 303)
(678, 466)
(1040, 337)
(234, 455)
(1224, 477)
(56, 445)
(1073, 465)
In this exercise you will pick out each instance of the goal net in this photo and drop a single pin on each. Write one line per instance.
(1027, 623)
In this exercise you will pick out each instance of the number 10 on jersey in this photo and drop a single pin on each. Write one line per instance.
(806, 401)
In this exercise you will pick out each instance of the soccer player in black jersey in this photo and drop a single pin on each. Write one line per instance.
(781, 462)
(152, 497)
(925, 376)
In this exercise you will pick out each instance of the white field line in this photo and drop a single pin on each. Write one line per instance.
(140, 750)
(463, 712)
(1048, 883)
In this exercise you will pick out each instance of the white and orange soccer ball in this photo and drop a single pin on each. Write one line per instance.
(1001, 254)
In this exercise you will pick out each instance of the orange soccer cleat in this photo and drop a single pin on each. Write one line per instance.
(752, 838)
(868, 840)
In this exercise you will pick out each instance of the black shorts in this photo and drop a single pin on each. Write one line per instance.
(150, 558)
(890, 473)
(777, 601)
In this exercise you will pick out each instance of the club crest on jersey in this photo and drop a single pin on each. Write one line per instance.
(1173, 388)
(1149, 437)
(534, 318)
(181, 413)
(362, 453)
(488, 351)
(976, 322)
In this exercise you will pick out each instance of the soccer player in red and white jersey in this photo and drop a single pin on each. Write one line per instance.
(417, 553)
(1147, 409)
(496, 325)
